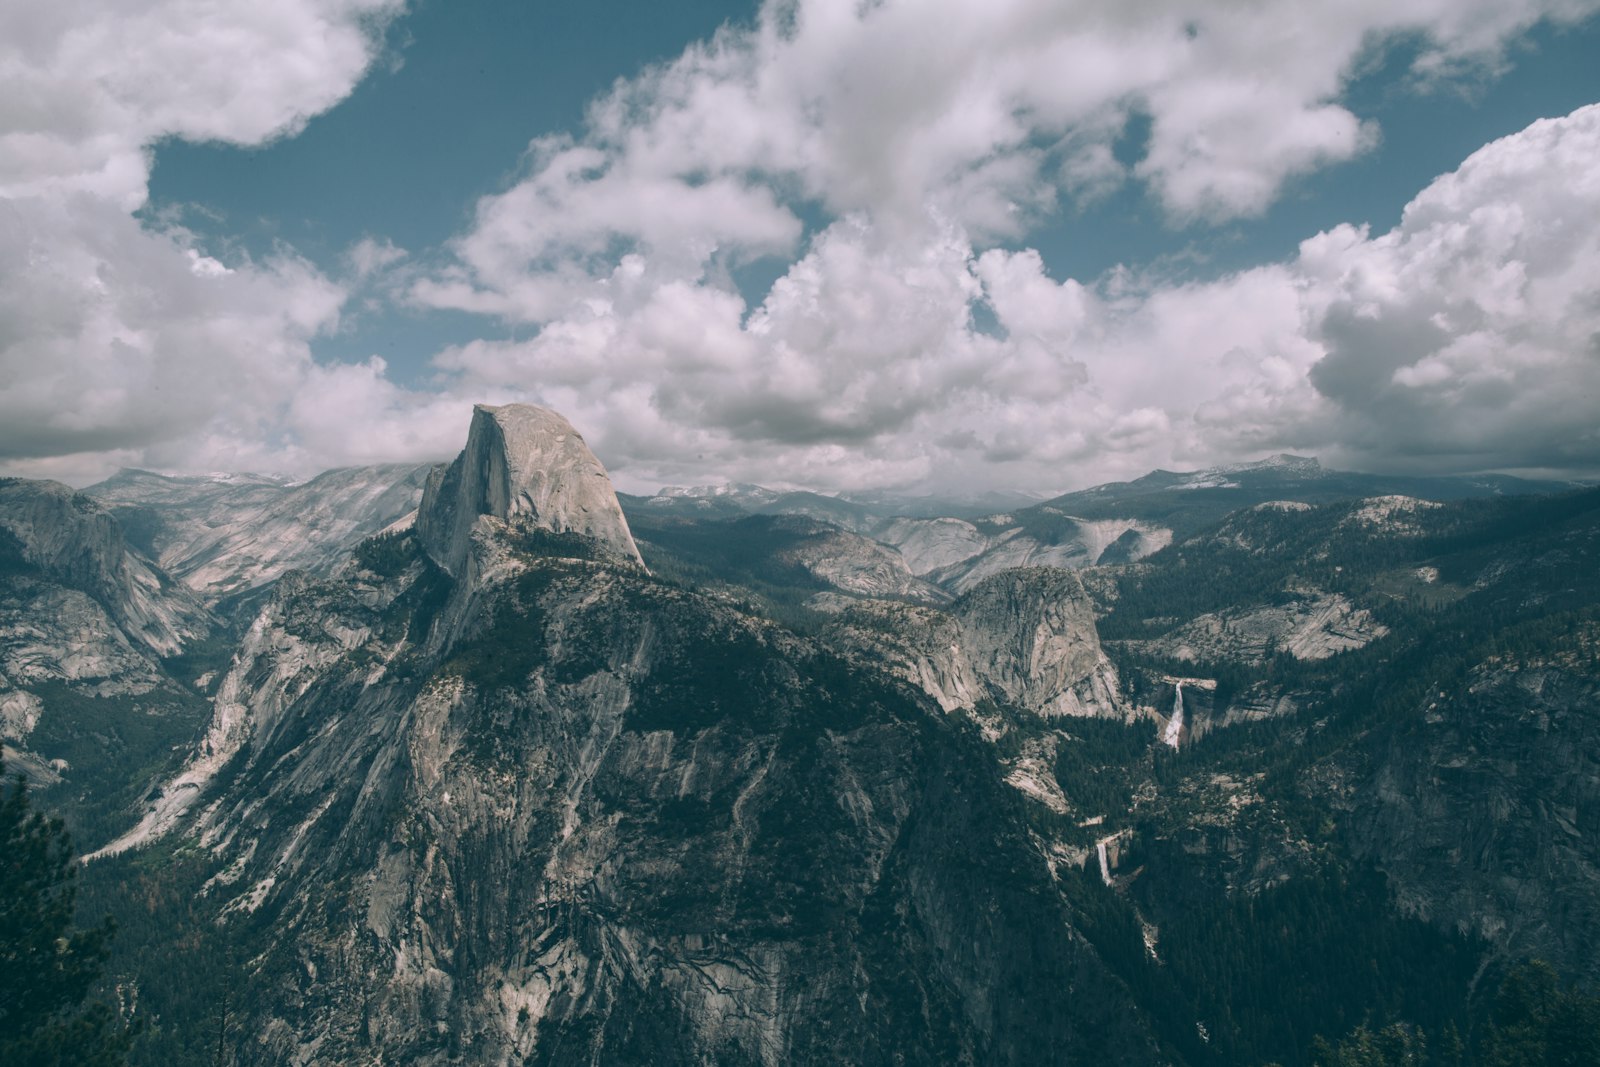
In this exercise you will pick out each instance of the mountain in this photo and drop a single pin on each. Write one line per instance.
(955, 545)
(528, 468)
(1187, 502)
(224, 536)
(542, 806)
(1411, 681)
(91, 698)
(1188, 772)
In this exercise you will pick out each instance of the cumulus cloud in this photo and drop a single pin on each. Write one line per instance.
(86, 87)
(901, 341)
(122, 343)
(1471, 332)
(891, 159)
(1463, 339)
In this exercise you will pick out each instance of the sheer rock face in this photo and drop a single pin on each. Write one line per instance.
(526, 466)
(224, 536)
(65, 539)
(540, 808)
(617, 821)
(85, 624)
(1026, 638)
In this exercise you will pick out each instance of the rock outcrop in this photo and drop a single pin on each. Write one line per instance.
(1025, 638)
(223, 536)
(525, 466)
(1313, 625)
(1481, 809)
(87, 629)
(70, 540)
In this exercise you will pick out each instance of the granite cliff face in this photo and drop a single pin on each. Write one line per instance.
(527, 467)
(1483, 809)
(224, 536)
(74, 543)
(484, 789)
(549, 809)
(86, 628)
(1024, 638)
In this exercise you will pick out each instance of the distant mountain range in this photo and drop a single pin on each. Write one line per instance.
(486, 763)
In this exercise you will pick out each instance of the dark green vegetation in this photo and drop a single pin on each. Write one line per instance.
(387, 555)
(1174, 501)
(1534, 1021)
(115, 746)
(833, 822)
(47, 964)
(745, 556)
(1274, 927)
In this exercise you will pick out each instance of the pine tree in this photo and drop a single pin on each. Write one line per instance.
(47, 966)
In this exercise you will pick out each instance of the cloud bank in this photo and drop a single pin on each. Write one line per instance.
(121, 342)
(891, 159)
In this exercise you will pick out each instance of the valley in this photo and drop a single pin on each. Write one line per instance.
(487, 763)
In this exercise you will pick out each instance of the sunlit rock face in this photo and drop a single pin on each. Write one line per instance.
(86, 626)
(226, 535)
(1024, 638)
(69, 540)
(526, 466)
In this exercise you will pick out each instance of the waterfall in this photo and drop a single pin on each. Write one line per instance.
(1105, 867)
(1174, 724)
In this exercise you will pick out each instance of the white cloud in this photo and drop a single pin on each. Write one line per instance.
(900, 345)
(1471, 332)
(86, 86)
(1464, 339)
(125, 341)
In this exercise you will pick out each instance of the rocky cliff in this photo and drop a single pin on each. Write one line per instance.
(1483, 808)
(1024, 638)
(576, 814)
(75, 543)
(223, 536)
(87, 630)
(527, 467)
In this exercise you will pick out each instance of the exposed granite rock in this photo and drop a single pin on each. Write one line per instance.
(617, 819)
(1310, 627)
(929, 545)
(853, 563)
(1054, 539)
(1025, 638)
(225, 535)
(73, 542)
(526, 466)
(541, 807)
(86, 629)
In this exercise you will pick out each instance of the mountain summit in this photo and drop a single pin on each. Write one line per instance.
(526, 466)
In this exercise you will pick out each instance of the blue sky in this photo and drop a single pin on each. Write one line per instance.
(934, 245)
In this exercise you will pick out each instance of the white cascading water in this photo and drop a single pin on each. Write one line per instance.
(1174, 724)
(1105, 867)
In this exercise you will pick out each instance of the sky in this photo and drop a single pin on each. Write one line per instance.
(944, 245)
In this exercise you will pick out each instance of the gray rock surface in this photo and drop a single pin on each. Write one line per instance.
(854, 564)
(87, 627)
(526, 466)
(1482, 809)
(1313, 626)
(958, 554)
(70, 540)
(1025, 638)
(601, 818)
(225, 535)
